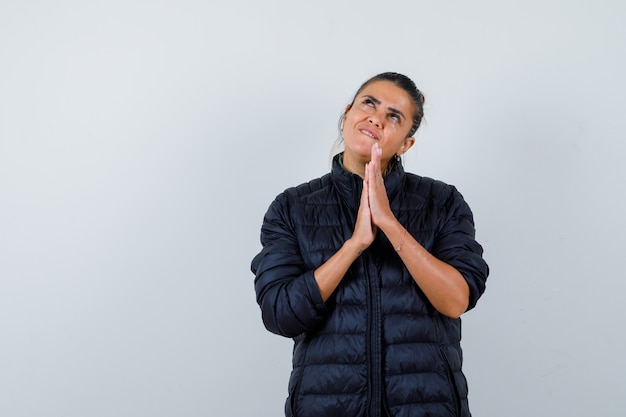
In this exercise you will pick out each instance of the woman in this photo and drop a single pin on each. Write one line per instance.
(368, 269)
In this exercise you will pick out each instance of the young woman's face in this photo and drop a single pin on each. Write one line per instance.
(383, 113)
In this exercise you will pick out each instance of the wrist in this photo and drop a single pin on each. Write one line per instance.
(353, 247)
(389, 224)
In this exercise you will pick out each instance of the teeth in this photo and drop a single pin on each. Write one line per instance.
(368, 133)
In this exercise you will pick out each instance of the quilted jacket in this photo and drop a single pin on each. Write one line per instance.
(376, 347)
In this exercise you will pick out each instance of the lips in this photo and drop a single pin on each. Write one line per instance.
(369, 133)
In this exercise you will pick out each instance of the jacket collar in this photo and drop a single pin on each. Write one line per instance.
(349, 185)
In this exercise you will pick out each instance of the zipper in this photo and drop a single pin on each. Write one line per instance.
(374, 350)
(374, 326)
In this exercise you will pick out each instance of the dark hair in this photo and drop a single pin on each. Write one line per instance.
(405, 83)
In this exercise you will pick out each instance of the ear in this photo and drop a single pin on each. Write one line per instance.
(408, 143)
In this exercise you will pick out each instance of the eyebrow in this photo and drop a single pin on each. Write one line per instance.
(391, 109)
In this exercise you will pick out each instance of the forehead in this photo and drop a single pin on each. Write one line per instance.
(389, 95)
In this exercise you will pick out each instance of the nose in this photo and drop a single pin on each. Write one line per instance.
(375, 121)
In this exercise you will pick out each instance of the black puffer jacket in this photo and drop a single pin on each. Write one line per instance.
(377, 347)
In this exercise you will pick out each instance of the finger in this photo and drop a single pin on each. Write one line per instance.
(375, 159)
(370, 172)
(378, 150)
(363, 220)
(373, 156)
(365, 192)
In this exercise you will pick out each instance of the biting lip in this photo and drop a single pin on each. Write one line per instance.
(369, 133)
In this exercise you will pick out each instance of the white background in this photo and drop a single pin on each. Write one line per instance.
(142, 141)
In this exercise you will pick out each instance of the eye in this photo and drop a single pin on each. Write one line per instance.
(395, 117)
(369, 102)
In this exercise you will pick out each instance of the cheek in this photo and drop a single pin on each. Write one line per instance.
(347, 119)
(354, 116)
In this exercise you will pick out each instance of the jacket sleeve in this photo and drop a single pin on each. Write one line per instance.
(456, 245)
(287, 293)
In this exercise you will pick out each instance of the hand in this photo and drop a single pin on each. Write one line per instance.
(364, 230)
(377, 193)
